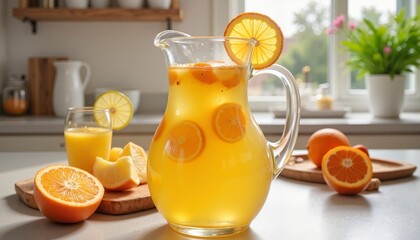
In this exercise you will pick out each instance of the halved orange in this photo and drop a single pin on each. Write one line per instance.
(116, 176)
(262, 29)
(229, 122)
(67, 194)
(347, 170)
(185, 142)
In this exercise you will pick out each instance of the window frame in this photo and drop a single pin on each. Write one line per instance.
(343, 96)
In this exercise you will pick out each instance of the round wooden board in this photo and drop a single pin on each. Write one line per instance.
(382, 169)
(113, 203)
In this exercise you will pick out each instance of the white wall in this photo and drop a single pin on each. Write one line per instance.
(2, 42)
(121, 54)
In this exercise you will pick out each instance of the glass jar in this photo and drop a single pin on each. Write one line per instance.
(323, 98)
(15, 96)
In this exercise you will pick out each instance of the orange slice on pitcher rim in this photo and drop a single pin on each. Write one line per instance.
(263, 30)
(67, 194)
(229, 122)
(347, 170)
(185, 141)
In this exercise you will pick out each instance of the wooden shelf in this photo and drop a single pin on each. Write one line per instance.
(33, 15)
(94, 14)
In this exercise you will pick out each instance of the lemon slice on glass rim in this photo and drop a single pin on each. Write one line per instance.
(119, 105)
(263, 30)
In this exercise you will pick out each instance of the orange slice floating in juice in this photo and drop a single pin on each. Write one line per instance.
(203, 72)
(347, 170)
(229, 121)
(172, 76)
(261, 28)
(185, 141)
(229, 76)
(67, 194)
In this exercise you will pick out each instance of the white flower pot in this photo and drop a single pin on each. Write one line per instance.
(386, 95)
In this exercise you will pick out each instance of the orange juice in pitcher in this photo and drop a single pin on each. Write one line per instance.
(203, 172)
(209, 164)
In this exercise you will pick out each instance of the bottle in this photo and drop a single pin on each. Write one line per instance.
(323, 98)
(15, 96)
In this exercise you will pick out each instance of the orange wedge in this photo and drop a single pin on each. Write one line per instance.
(139, 157)
(132, 149)
(185, 141)
(263, 30)
(229, 122)
(115, 153)
(67, 194)
(117, 176)
(347, 170)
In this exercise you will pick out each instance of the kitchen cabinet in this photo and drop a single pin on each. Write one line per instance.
(33, 15)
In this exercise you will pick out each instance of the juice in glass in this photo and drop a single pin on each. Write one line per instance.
(84, 144)
(210, 167)
(88, 134)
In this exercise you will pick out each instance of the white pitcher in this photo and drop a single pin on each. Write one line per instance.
(69, 89)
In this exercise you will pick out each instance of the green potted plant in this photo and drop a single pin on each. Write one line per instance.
(382, 52)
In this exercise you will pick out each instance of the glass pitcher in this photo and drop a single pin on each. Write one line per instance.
(209, 164)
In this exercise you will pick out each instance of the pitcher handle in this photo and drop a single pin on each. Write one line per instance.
(283, 148)
(87, 76)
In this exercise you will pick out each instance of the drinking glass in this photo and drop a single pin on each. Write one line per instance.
(88, 134)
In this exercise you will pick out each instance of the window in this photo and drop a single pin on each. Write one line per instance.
(304, 23)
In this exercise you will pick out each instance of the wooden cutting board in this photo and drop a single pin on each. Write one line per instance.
(305, 170)
(114, 203)
(41, 84)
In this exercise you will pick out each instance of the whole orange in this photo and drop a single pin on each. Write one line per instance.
(323, 140)
(363, 148)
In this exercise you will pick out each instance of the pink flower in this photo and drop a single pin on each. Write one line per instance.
(330, 31)
(387, 50)
(352, 25)
(338, 22)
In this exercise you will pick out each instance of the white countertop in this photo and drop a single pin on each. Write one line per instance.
(293, 210)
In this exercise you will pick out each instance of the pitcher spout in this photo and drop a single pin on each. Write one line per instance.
(160, 37)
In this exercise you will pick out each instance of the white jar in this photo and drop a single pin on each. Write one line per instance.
(162, 4)
(99, 3)
(77, 3)
(131, 4)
